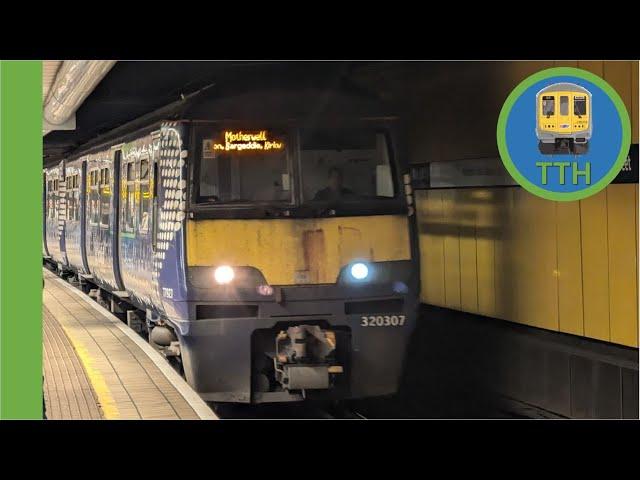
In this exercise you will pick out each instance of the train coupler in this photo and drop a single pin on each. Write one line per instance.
(305, 358)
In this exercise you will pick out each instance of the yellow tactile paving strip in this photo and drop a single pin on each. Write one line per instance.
(126, 382)
(67, 390)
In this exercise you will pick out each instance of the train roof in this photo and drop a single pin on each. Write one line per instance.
(564, 87)
(272, 103)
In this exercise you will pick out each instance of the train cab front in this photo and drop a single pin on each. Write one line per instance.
(302, 278)
(255, 342)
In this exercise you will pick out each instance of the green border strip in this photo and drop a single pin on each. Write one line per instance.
(502, 133)
(20, 240)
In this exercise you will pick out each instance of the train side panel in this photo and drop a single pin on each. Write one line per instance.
(169, 268)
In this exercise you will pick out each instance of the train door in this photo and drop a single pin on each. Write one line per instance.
(114, 207)
(45, 210)
(155, 214)
(56, 211)
(564, 113)
(84, 213)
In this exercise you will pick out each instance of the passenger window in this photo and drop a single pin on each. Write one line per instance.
(69, 212)
(145, 196)
(94, 198)
(105, 200)
(129, 204)
(548, 105)
(55, 198)
(49, 199)
(73, 198)
(144, 169)
(564, 105)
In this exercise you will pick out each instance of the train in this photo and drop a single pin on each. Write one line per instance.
(564, 120)
(263, 240)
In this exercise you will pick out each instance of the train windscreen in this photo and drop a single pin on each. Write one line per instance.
(345, 165)
(580, 106)
(238, 166)
(548, 105)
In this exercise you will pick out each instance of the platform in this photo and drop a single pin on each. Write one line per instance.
(97, 367)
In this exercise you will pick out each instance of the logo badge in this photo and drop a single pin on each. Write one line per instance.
(563, 134)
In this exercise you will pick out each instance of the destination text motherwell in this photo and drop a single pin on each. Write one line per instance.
(238, 141)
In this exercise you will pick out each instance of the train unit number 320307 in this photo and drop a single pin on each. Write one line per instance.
(383, 321)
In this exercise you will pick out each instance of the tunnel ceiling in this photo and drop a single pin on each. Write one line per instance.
(132, 89)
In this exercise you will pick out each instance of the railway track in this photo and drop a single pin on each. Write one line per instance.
(509, 408)
(287, 411)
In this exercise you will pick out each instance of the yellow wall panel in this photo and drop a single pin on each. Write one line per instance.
(504, 278)
(451, 251)
(503, 253)
(515, 72)
(593, 66)
(485, 209)
(623, 261)
(534, 246)
(465, 213)
(570, 308)
(566, 63)
(619, 76)
(595, 266)
(431, 244)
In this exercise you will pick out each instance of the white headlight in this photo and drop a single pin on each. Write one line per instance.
(223, 275)
(359, 271)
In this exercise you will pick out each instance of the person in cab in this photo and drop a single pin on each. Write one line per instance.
(335, 190)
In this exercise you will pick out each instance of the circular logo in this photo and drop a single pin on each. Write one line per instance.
(563, 134)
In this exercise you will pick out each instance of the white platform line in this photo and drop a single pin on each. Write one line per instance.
(192, 398)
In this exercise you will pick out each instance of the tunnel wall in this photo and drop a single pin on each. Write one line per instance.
(569, 270)
(501, 252)
(564, 266)
(532, 299)
(452, 108)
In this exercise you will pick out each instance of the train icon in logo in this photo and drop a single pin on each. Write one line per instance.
(564, 119)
